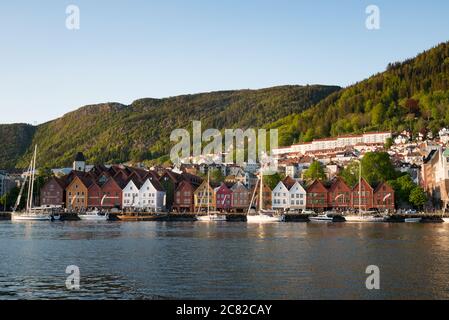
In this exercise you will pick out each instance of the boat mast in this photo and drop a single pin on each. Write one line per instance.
(33, 175)
(21, 190)
(208, 189)
(360, 187)
(261, 189)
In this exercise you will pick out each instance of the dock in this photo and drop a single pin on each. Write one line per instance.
(5, 215)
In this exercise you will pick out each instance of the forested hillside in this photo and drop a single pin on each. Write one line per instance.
(114, 132)
(413, 94)
(14, 141)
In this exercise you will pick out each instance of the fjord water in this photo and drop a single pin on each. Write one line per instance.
(198, 260)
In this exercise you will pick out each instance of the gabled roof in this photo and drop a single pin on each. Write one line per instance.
(238, 185)
(316, 186)
(289, 182)
(364, 182)
(380, 185)
(338, 181)
(223, 188)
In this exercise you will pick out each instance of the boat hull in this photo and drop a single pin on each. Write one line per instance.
(263, 218)
(445, 220)
(321, 219)
(364, 219)
(213, 217)
(30, 217)
(412, 220)
(88, 217)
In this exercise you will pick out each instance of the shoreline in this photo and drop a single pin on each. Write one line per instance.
(426, 217)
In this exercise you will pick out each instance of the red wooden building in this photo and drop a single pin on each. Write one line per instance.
(112, 193)
(223, 197)
(184, 200)
(366, 196)
(94, 196)
(53, 192)
(339, 194)
(384, 197)
(317, 196)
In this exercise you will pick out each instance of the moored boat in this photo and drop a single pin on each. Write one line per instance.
(412, 220)
(94, 215)
(31, 213)
(322, 218)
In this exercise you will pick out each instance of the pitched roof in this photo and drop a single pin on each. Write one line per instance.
(289, 182)
(80, 157)
(317, 185)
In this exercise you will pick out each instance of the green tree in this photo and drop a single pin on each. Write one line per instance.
(216, 176)
(418, 197)
(388, 143)
(272, 180)
(315, 171)
(377, 167)
(350, 174)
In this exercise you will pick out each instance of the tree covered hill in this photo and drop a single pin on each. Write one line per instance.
(412, 95)
(15, 139)
(112, 132)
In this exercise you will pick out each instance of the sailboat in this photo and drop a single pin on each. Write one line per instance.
(30, 213)
(366, 216)
(262, 216)
(209, 216)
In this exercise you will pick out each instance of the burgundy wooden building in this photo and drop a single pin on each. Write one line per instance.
(317, 196)
(339, 194)
(366, 196)
(384, 197)
(53, 192)
(223, 198)
(184, 197)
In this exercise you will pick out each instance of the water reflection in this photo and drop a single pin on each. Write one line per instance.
(151, 260)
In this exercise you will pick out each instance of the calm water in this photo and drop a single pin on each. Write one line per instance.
(159, 260)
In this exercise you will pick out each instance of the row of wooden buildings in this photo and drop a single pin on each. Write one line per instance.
(124, 187)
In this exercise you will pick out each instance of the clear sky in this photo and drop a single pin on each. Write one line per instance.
(125, 50)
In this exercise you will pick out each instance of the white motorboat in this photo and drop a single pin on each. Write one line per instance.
(30, 213)
(413, 220)
(364, 218)
(212, 217)
(263, 218)
(445, 219)
(17, 216)
(322, 218)
(94, 215)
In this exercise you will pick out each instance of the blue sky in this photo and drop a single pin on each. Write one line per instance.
(127, 50)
